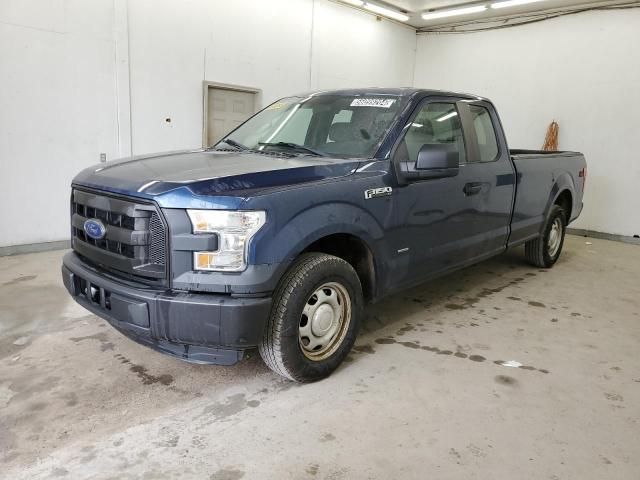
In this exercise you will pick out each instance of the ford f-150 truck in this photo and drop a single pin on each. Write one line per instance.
(278, 234)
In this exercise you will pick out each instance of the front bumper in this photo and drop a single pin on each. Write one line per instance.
(199, 328)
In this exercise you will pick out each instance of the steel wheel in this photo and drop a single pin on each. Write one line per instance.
(324, 321)
(555, 237)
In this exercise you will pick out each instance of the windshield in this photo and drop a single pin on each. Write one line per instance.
(330, 125)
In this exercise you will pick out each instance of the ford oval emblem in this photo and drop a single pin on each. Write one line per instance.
(95, 228)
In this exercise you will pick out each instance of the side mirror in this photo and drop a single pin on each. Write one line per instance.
(437, 160)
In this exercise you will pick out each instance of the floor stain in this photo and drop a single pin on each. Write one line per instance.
(505, 380)
(327, 437)
(453, 306)
(364, 349)
(233, 405)
(477, 358)
(415, 345)
(24, 278)
(148, 379)
(533, 303)
(312, 469)
(484, 293)
(227, 474)
(407, 328)
(102, 337)
(455, 455)
(143, 373)
(614, 397)
(512, 364)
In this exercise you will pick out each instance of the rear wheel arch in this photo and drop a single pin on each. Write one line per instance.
(562, 193)
(565, 201)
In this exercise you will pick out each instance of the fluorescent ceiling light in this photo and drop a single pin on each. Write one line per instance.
(454, 12)
(387, 12)
(447, 116)
(513, 3)
(355, 3)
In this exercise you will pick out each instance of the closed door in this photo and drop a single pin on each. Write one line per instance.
(449, 222)
(226, 109)
(491, 181)
(435, 217)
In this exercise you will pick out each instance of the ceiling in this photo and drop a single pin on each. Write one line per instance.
(415, 8)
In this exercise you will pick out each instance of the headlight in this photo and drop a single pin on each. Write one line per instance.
(234, 230)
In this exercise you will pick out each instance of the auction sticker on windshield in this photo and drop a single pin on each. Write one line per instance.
(373, 102)
(278, 105)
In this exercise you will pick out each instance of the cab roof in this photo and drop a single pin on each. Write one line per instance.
(398, 92)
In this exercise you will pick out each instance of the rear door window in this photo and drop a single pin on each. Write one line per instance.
(485, 133)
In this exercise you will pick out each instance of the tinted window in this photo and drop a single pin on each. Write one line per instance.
(435, 123)
(486, 134)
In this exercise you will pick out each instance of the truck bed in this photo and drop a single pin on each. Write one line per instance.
(538, 172)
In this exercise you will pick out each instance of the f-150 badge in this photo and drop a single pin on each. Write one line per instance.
(377, 192)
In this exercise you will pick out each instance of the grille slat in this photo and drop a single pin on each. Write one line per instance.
(135, 243)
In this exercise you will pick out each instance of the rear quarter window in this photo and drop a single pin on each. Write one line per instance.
(485, 133)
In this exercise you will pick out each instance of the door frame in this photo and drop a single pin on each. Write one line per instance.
(206, 86)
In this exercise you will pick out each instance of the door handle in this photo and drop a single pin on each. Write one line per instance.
(472, 188)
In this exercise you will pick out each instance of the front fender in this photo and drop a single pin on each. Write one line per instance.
(298, 232)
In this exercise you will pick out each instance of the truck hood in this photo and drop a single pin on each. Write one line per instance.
(208, 179)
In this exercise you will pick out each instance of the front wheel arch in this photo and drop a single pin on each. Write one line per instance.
(281, 347)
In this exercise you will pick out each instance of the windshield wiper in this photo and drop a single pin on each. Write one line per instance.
(233, 143)
(294, 146)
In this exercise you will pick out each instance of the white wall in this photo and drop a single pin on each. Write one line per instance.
(57, 109)
(79, 78)
(281, 47)
(83, 77)
(350, 48)
(581, 70)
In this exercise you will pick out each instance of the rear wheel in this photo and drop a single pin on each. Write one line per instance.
(314, 318)
(545, 250)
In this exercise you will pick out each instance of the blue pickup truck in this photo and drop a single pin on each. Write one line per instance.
(277, 235)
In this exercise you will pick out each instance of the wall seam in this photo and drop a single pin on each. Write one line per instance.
(313, 16)
(117, 75)
(129, 79)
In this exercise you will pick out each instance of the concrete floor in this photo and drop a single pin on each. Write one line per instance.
(423, 395)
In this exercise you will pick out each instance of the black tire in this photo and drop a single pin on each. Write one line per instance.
(538, 251)
(283, 347)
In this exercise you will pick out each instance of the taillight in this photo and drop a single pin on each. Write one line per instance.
(583, 175)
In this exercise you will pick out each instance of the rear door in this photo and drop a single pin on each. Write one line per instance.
(490, 178)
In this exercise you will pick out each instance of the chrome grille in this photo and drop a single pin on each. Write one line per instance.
(135, 239)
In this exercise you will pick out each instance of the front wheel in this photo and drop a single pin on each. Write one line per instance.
(314, 319)
(545, 250)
